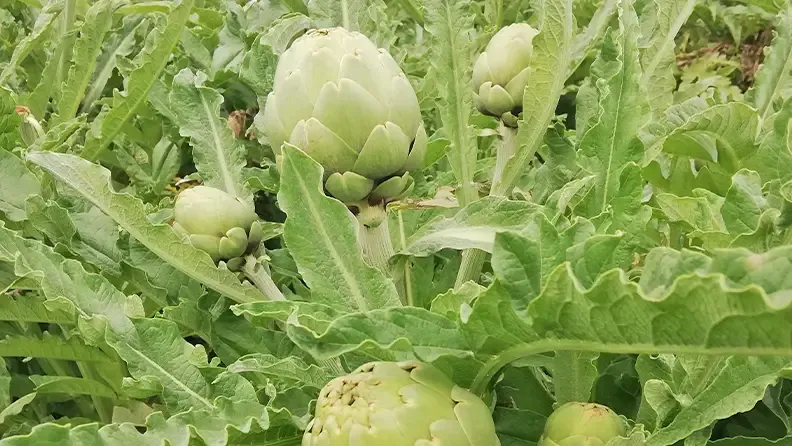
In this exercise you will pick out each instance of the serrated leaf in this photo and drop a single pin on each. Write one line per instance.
(387, 334)
(661, 21)
(449, 22)
(87, 48)
(288, 369)
(52, 348)
(773, 79)
(549, 64)
(219, 156)
(322, 237)
(44, 23)
(140, 80)
(16, 185)
(610, 140)
(92, 181)
(474, 226)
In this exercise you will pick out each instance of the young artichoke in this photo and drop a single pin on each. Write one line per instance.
(399, 404)
(581, 424)
(350, 107)
(501, 73)
(217, 222)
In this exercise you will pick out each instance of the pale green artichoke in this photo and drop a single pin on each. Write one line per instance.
(581, 424)
(349, 106)
(217, 222)
(399, 404)
(501, 72)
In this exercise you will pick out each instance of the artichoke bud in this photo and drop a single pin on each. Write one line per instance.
(30, 129)
(582, 424)
(349, 106)
(217, 223)
(399, 404)
(501, 73)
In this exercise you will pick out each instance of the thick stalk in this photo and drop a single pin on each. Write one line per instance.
(257, 274)
(473, 259)
(374, 240)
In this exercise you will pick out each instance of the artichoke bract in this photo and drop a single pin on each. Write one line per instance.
(399, 404)
(216, 222)
(581, 424)
(349, 106)
(501, 72)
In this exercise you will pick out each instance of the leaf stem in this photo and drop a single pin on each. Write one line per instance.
(257, 273)
(473, 259)
(375, 242)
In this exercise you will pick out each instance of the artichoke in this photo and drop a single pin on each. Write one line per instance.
(349, 106)
(217, 222)
(581, 424)
(399, 404)
(501, 72)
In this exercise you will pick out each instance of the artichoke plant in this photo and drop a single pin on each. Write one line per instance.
(501, 72)
(581, 424)
(399, 404)
(216, 222)
(350, 107)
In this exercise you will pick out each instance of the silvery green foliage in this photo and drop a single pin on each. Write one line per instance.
(635, 251)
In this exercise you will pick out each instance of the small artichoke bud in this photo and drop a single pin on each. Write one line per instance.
(217, 222)
(501, 72)
(581, 424)
(30, 129)
(349, 106)
(399, 404)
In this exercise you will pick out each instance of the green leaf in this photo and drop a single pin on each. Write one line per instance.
(744, 203)
(52, 348)
(70, 385)
(140, 81)
(92, 182)
(219, 156)
(661, 21)
(773, 79)
(587, 39)
(474, 226)
(16, 185)
(16, 407)
(384, 334)
(28, 308)
(119, 44)
(610, 139)
(41, 28)
(737, 388)
(87, 48)
(549, 64)
(574, 374)
(289, 369)
(9, 120)
(258, 68)
(449, 22)
(322, 239)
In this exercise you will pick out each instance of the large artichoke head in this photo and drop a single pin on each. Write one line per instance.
(350, 107)
(501, 72)
(217, 222)
(399, 404)
(581, 424)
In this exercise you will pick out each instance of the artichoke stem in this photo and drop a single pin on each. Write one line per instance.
(375, 242)
(506, 150)
(256, 273)
(473, 259)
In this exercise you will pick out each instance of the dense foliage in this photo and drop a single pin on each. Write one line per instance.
(579, 206)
